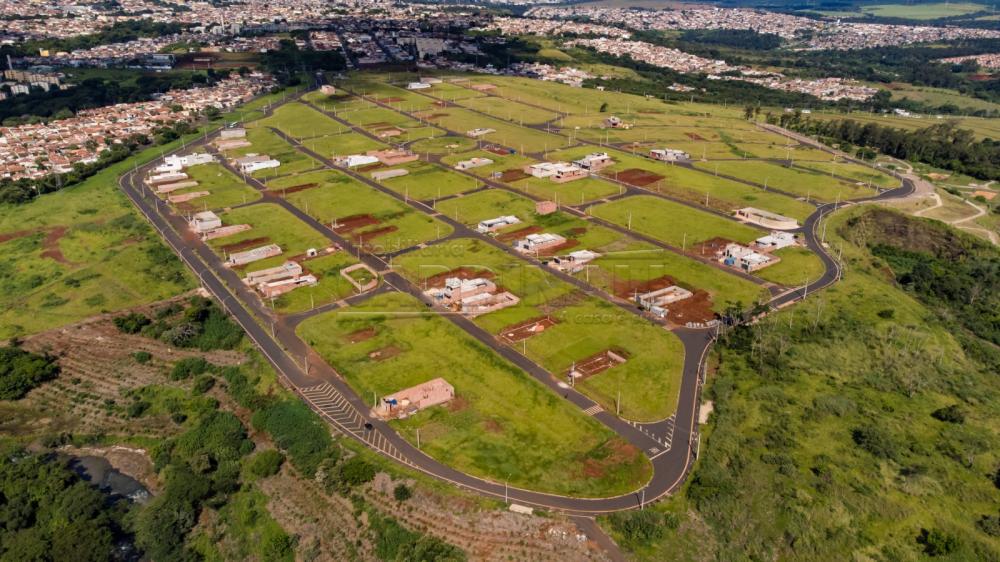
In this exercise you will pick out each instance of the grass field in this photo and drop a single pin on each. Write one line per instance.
(500, 163)
(265, 141)
(808, 183)
(856, 172)
(81, 251)
(301, 121)
(502, 424)
(673, 223)
(797, 267)
(509, 110)
(274, 223)
(923, 11)
(443, 145)
(225, 188)
(940, 96)
(980, 126)
(339, 196)
(429, 181)
(572, 193)
(348, 142)
(507, 134)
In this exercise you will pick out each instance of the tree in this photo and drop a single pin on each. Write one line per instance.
(604, 107)
(21, 371)
(937, 543)
(131, 323)
(950, 414)
(402, 492)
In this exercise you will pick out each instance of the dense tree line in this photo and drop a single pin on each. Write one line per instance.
(200, 325)
(943, 145)
(287, 61)
(22, 370)
(48, 513)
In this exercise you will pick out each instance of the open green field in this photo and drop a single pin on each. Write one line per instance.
(429, 181)
(265, 141)
(509, 110)
(500, 163)
(923, 11)
(673, 223)
(521, 139)
(940, 96)
(271, 225)
(649, 381)
(377, 116)
(856, 172)
(980, 126)
(502, 425)
(810, 184)
(454, 90)
(570, 193)
(224, 187)
(301, 121)
(798, 266)
(373, 86)
(331, 286)
(724, 195)
(339, 196)
(81, 251)
(345, 143)
(565, 99)
(336, 103)
(443, 145)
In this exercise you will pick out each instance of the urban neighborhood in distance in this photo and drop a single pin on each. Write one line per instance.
(499, 280)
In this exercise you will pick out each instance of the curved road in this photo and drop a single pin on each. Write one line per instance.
(670, 444)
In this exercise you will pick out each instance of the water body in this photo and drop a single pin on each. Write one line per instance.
(99, 472)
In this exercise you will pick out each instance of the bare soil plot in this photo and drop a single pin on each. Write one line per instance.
(599, 362)
(298, 188)
(555, 250)
(513, 174)
(389, 100)
(245, 245)
(384, 353)
(51, 245)
(348, 224)
(711, 247)
(524, 330)
(694, 136)
(519, 233)
(461, 273)
(636, 176)
(360, 335)
(697, 308)
(498, 150)
(362, 238)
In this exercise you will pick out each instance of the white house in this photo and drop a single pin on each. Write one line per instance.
(492, 225)
(205, 221)
(776, 241)
(472, 163)
(668, 154)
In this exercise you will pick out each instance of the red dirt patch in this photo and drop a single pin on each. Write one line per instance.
(389, 100)
(694, 136)
(498, 150)
(462, 273)
(697, 308)
(360, 335)
(8, 236)
(525, 330)
(613, 454)
(709, 248)
(51, 245)
(363, 238)
(513, 174)
(298, 188)
(457, 404)
(354, 222)
(370, 167)
(635, 176)
(519, 233)
(577, 231)
(387, 352)
(554, 250)
(598, 362)
(493, 426)
(245, 245)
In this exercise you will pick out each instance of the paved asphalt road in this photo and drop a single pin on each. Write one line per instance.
(327, 393)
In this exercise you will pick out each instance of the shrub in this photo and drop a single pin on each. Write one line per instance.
(876, 441)
(949, 414)
(131, 323)
(886, 313)
(142, 357)
(353, 472)
(21, 371)
(188, 367)
(643, 526)
(402, 492)
(138, 408)
(202, 384)
(265, 463)
(989, 524)
(937, 543)
(297, 430)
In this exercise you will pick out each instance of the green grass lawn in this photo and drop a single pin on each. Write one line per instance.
(443, 145)
(301, 121)
(649, 381)
(856, 172)
(500, 163)
(811, 184)
(277, 225)
(224, 187)
(502, 425)
(376, 115)
(112, 259)
(797, 266)
(507, 134)
(343, 144)
(429, 181)
(673, 223)
(339, 196)
(509, 110)
(572, 193)
(265, 141)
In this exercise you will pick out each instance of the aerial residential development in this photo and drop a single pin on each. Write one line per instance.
(531, 281)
